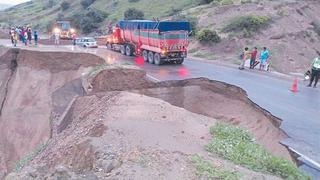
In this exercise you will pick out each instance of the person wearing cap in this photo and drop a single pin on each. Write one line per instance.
(315, 72)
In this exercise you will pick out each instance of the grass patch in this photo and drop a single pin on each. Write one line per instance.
(24, 161)
(238, 146)
(206, 170)
(247, 24)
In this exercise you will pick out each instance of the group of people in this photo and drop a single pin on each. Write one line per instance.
(24, 35)
(251, 56)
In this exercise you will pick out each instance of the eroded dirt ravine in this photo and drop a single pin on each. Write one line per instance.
(30, 79)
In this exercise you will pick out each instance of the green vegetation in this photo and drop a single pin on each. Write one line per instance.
(65, 5)
(133, 14)
(238, 146)
(206, 170)
(208, 36)
(20, 164)
(49, 10)
(247, 24)
(86, 3)
(316, 26)
(89, 20)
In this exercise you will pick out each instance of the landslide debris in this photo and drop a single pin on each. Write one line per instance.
(109, 122)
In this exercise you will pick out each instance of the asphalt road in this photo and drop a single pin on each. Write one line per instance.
(299, 111)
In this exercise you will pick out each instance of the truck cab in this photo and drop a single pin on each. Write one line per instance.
(64, 29)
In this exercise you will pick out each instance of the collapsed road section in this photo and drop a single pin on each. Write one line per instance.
(102, 121)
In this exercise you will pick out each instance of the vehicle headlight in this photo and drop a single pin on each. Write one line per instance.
(72, 30)
(56, 30)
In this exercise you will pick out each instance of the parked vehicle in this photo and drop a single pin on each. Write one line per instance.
(86, 42)
(64, 29)
(156, 41)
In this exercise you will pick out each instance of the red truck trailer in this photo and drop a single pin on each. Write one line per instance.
(156, 41)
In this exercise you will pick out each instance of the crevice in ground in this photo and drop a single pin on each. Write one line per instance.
(13, 67)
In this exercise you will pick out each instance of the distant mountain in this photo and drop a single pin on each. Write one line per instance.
(4, 6)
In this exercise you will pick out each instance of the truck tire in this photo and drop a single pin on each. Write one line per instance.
(157, 59)
(150, 57)
(129, 50)
(122, 50)
(180, 61)
(145, 55)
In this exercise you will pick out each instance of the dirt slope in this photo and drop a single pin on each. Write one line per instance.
(291, 37)
(28, 80)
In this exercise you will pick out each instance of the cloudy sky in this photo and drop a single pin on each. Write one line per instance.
(13, 1)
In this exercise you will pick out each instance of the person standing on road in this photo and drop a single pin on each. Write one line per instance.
(29, 34)
(15, 38)
(253, 57)
(35, 37)
(245, 56)
(56, 38)
(264, 56)
(315, 72)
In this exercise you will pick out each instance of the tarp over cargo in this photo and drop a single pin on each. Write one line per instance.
(162, 26)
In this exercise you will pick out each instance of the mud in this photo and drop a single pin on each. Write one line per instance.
(51, 41)
(28, 102)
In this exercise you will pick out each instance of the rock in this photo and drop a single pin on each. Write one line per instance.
(113, 165)
(277, 36)
(61, 173)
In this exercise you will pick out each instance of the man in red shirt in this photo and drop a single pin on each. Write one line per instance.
(253, 57)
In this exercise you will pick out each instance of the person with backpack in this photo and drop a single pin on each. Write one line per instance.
(244, 57)
(315, 72)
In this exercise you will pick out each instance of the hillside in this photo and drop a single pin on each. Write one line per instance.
(289, 28)
(4, 6)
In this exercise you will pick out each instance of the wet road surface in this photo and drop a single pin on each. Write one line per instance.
(300, 111)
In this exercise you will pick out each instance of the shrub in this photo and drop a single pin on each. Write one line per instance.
(207, 36)
(132, 1)
(86, 3)
(89, 21)
(238, 146)
(226, 2)
(132, 14)
(202, 2)
(316, 26)
(65, 5)
(51, 3)
(95, 15)
(251, 23)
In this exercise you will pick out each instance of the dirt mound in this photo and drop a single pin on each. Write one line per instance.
(28, 83)
(210, 98)
(127, 136)
(57, 62)
(115, 79)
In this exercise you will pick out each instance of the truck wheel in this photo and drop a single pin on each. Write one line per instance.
(180, 61)
(122, 50)
(145, 55)
(150, 57)
(129, 50)
(157, 59)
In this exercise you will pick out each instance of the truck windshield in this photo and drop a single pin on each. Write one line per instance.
(175, 36)
(64, 26)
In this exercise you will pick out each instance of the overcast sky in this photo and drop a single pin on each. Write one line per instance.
(13, 1)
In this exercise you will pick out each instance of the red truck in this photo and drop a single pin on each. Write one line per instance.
(156, 41)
